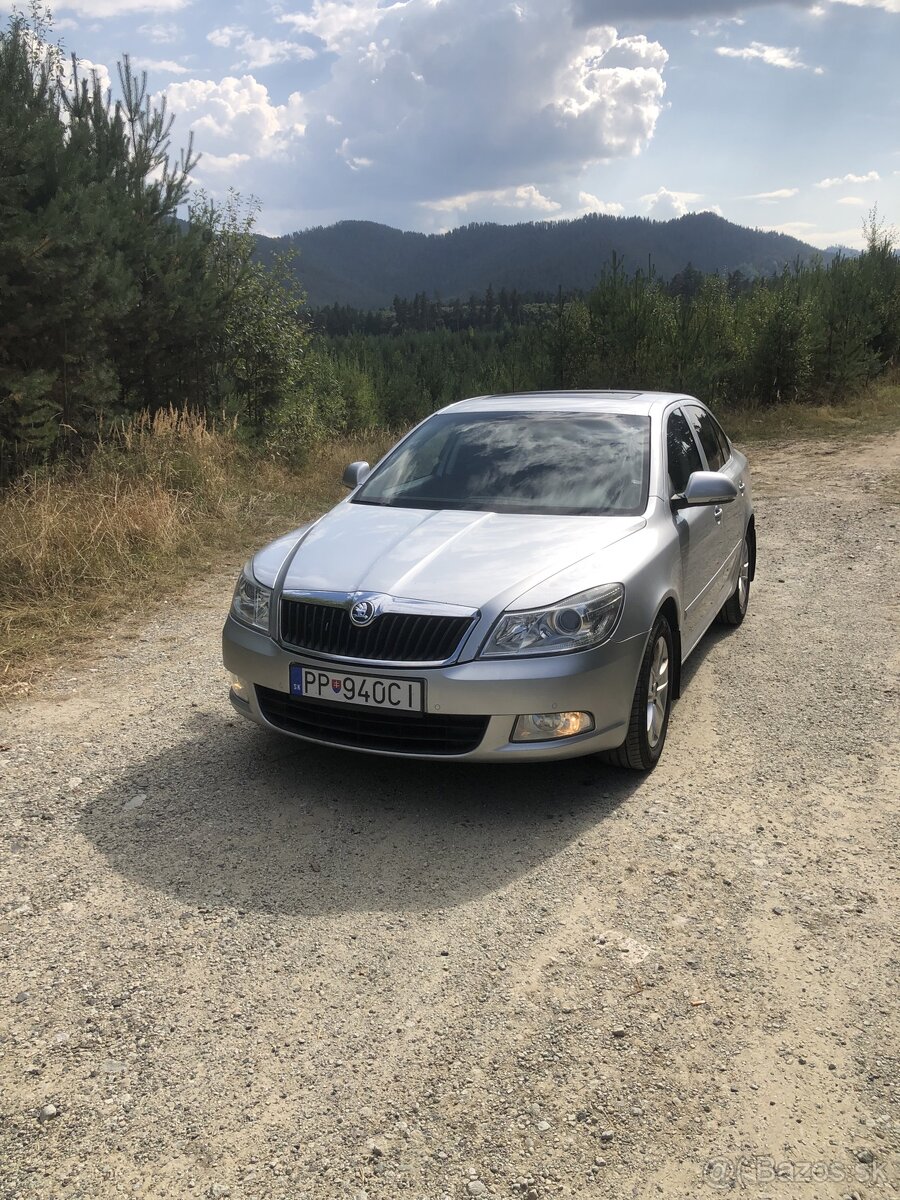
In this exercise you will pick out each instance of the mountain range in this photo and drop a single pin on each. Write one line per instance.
(365, 265)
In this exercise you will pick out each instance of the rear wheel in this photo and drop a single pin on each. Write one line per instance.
(734, 609)
(650, 708)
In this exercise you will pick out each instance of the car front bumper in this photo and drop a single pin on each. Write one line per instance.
(600, 681)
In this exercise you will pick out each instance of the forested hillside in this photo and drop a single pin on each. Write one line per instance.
(812, 333)
(365, 265)
(123, 291)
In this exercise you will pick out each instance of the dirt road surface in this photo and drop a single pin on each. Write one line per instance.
(239, 965)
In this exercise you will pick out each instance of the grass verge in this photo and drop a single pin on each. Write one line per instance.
(157, 504)
(875, 410)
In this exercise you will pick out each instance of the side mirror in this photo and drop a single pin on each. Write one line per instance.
(355, 474)
(706, 487)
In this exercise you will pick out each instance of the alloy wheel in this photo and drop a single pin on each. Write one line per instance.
(657, 692)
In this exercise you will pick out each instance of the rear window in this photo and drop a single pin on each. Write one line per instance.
(712, 439)
(541, 462)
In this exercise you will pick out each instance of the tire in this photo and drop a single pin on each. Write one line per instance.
(734, 609)
(647, 730)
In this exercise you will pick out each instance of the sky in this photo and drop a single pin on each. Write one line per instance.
(427, 114)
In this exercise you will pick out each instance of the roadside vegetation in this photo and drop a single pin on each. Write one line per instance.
(167, 401)
(159, 501)
(811, 335)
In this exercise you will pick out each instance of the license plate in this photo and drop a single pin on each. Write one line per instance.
(347, 687)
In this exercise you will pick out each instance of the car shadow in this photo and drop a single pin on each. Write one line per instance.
(236, 817)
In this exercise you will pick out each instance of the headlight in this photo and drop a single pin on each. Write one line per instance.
(251, 601)
(578, 623)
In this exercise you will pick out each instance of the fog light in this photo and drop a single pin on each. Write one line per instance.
(544, 727)
(240, 689)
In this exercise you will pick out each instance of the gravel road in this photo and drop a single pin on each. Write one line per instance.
(238, 965)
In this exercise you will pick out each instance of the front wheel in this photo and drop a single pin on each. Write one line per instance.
(734, 609)
(652, 703)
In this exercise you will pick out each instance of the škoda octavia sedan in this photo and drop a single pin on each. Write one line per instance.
(520, 578)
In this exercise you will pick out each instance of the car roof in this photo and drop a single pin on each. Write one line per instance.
(641, 403)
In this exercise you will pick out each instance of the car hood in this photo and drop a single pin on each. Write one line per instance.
(444, 556)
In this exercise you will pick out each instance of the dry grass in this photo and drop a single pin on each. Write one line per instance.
(875, 410)
(158, 502)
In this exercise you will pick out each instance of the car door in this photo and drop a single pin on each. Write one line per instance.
(699, 532)
(735, 466)
(731, 517)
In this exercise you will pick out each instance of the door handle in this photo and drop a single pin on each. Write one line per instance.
(717, 512)
(742, 487)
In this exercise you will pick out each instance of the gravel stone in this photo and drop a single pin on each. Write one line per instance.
(257, 952)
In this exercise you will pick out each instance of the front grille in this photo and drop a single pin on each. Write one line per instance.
(372, 728)
(392, 636)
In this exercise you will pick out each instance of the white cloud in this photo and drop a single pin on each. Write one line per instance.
(838, 181)
(160, 32)
(236, 116)
(223, 163)
(809, 232)
(522, 202)
(773, 56)
(264, 52)
(164, 65)
(447, 99)
(588, 12)
(526, 196)
(797, 229)
(891, 6)
(663, 204)
(87, 69)
(223, 37)
(256, 52)
(715, 25)
(854, 201)
(591, 204)
(771, 197)
(356, 162)
(99, 9)
(338, 23)
(84, 69)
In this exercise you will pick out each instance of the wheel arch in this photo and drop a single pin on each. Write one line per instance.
(669, 610)
(751, 539)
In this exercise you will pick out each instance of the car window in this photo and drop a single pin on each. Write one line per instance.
(569, 463)
(705, 428)
(724, 443)
(683, 455)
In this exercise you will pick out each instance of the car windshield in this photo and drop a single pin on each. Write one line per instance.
(543, 462)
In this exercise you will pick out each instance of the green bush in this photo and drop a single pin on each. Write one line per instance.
(315, 412)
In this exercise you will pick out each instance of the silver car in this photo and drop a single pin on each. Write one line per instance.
(520, 578)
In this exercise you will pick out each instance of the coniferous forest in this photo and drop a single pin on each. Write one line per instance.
(125, 290)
